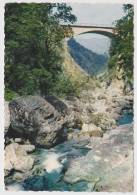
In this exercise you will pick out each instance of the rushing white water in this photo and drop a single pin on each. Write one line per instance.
(52, 163)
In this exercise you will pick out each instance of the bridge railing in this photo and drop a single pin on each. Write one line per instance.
(90, 25)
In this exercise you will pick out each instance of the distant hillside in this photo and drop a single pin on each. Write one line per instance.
(88, 60)
(77, 75)
(71, 68)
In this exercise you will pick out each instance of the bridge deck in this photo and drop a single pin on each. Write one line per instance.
(88, 26)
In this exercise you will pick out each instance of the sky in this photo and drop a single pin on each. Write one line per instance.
(96, 14)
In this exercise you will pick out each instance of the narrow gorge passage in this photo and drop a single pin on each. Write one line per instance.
(68, 100)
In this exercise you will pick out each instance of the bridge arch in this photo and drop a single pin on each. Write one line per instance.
(106, 31)
(84, 29)
(100, 32)
(81, 32)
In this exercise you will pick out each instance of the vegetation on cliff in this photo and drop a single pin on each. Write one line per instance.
(33, 44)
(78, 76)
(122, 48)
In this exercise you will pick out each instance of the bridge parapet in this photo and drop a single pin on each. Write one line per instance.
(87, 25)
(83, 29)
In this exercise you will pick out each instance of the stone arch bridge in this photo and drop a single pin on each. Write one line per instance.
(83, 29)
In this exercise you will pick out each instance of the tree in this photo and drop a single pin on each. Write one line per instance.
(33, 43)
(122, 49)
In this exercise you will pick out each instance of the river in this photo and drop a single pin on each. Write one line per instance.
(56, 161)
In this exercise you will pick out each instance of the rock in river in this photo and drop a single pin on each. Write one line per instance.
(36, 119)
(91, 130)
(109, 165)
(16, 158)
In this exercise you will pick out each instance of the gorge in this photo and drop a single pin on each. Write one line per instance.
(68, 110)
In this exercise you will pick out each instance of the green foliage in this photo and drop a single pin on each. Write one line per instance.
(64, 86)
(122, 46)
(9, 94)
(33, 43)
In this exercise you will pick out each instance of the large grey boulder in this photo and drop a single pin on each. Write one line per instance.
(36, 119)
(6, 117)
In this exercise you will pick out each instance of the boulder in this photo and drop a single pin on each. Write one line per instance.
(16, 158)
(91, 130)
(6, 117)
(102, 96)
(26, 148)
(90, 127)
(18, 140)
(34, 118)
(14, 187)
(103, 120)
(109, 165)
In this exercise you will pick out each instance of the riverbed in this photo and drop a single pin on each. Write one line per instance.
(51, 165)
